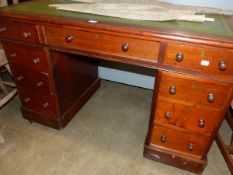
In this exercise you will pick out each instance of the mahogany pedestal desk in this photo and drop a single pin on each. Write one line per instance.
(53, 54)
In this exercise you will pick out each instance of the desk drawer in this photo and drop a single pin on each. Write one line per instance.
(28, 56)
(32, 79)
(187, 117)
(179, 140)
(19, 31)
(103, 43)
(214, 60)
(193, 91)
(41, 103)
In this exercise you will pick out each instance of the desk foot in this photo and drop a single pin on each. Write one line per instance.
(179, 161)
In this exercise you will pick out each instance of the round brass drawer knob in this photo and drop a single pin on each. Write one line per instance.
(201, 123)
(211, 98)
(19, 78)
(45, 105)
(222, 66)
(167, 115)
(26, 34)
(69, 38)
(172, 90)
(190, 146)
(163, 139)
(179, 57)
(27, 99)
(39, 84)
(125, 47)
(36, 60)
(3, 29)
(13, 55)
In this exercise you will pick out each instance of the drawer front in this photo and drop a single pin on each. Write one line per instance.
(37, 102)
(214, 60)
(184, 116)
(194, 91)
(181, 141)
(32, 79)
(103, 43)
(32, 57)
(19, 31)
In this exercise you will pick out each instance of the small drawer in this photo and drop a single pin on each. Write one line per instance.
(32, 79)
(103, 43)
(41, 103)
(26, 32)
(179, 141)
(28, 56)
(184, 116)
(19, 31)
(193, 91)
(209, 59)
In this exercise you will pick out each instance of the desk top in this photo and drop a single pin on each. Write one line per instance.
(221, 29)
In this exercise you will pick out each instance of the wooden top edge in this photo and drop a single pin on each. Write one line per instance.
(177, 35)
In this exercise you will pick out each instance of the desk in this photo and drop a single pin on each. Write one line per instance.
(53, 54)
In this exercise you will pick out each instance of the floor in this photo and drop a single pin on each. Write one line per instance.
(105, 137)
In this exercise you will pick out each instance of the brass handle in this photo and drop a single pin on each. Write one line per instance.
(3, 29)
(36, 60)
(13, 55)
(179, 57)
(46, 105)
(190, 146)
(211, 98)
(172, 90)
(20, 78)
(167, 115)
(163, 139)
(222, 66)
(39, 84)
(125, 47)
(201, 123)
(69, 38)
(27, 99)
(26, 34)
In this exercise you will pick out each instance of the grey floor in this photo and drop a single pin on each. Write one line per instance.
(105, 138)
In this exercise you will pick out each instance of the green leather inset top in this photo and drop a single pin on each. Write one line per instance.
(218, 28)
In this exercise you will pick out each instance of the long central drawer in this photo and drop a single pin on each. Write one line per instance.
(103, 43)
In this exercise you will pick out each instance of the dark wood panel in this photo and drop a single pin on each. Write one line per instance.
(73, 75)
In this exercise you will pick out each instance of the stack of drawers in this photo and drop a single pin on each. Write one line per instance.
(189, 109)
(52, 85)
(32, 77)
(30, 67)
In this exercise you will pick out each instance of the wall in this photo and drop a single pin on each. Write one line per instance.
(140, 77)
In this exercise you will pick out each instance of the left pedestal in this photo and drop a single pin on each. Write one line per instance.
(52, 85)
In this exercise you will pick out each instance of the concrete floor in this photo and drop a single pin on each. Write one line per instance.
(106, 137)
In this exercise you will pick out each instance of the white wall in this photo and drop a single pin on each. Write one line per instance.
(225, 4)
(137, 76)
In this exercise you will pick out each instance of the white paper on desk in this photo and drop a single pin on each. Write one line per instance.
(151, 10)
(164, 5)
